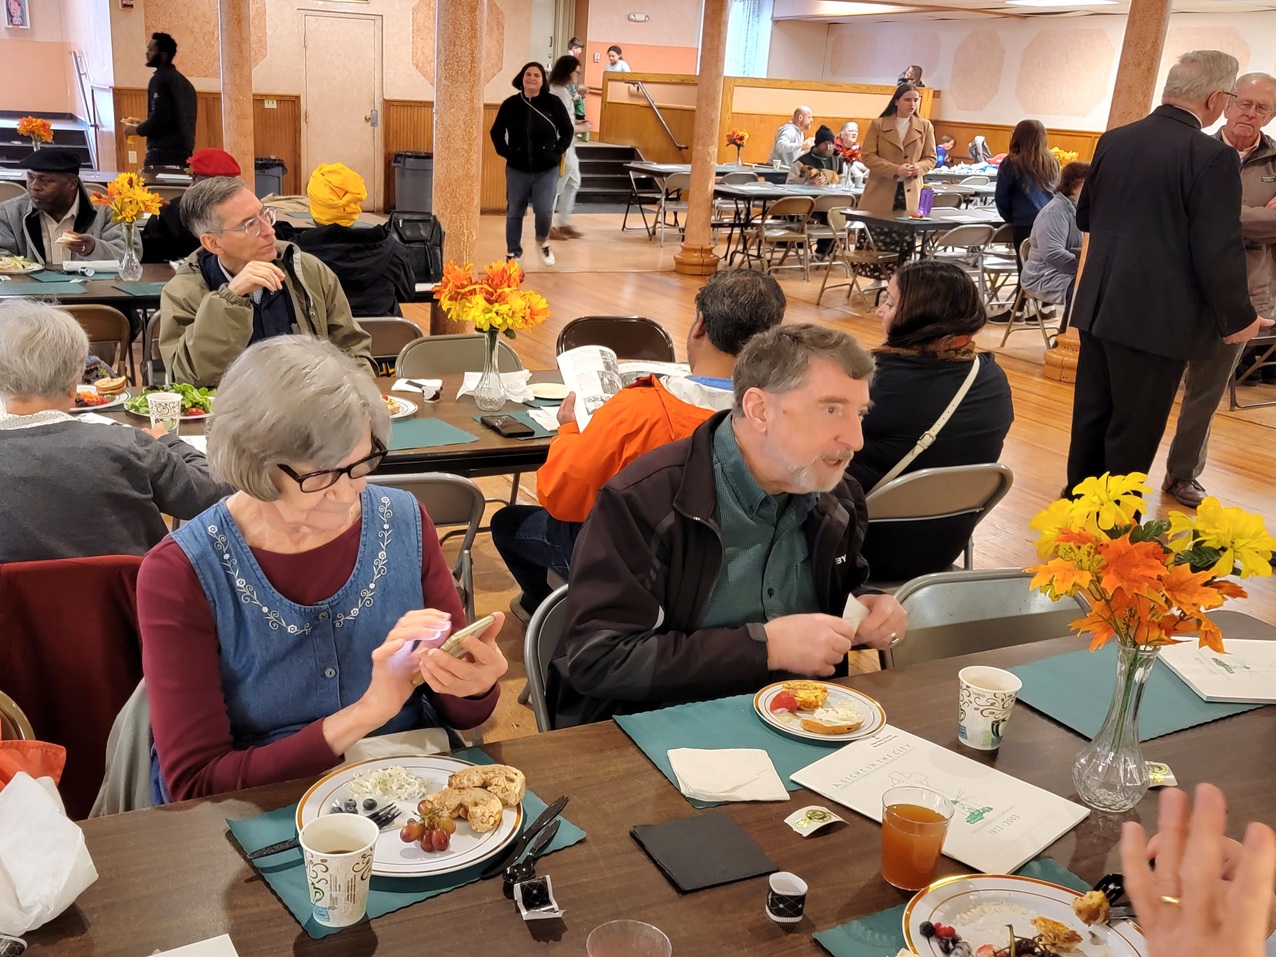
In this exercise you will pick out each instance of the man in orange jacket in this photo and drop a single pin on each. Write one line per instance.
(732, 307)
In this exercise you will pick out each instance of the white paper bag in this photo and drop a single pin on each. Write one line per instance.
(44, 864)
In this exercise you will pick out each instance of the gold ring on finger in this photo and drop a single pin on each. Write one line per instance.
(1168, 899)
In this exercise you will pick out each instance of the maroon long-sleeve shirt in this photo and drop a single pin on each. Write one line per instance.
(180, 657)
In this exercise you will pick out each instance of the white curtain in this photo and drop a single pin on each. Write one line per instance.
(748, 37)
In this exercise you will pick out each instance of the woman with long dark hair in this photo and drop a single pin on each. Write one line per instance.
(1026, 179)
(562, 80)
(930, 315)
(899, 149)
(532, 132)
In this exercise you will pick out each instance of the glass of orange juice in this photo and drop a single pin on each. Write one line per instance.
(914, 822)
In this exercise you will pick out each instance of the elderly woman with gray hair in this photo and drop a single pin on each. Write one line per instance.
(71, 488)
(284, 624)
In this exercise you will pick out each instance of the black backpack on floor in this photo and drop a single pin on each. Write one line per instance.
(423, 235)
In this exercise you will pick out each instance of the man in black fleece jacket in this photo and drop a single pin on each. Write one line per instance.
(171, 105)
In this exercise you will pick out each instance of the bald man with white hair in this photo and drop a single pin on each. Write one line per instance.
(791, 140)
(1245, 115)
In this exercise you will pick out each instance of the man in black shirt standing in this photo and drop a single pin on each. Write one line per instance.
(171, 104)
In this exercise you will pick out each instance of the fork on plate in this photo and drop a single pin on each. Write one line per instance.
(383, 818)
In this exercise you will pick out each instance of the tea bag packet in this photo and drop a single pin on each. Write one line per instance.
(535, 899)
(806, 821)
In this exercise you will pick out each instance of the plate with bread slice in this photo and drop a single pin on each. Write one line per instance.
(101, 396)
(818, 711)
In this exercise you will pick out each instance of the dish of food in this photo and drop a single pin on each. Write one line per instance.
(974, 910)
(14, 265)
(196, 403)
(468, 813)
(399, 408)
(819, 711)
(106, 394)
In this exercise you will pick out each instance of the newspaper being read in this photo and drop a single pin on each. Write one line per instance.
(595, 374)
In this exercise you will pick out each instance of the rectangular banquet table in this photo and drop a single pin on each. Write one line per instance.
(490, 455)
(173, 875)
(98, 289)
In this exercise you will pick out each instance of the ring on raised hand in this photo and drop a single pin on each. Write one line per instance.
(894, 637)
(1167, 899)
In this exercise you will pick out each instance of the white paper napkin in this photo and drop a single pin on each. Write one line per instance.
(518, 386)
(546, 418)
(404, 385)
(213, 947)
(99, 419)
(44, 865)
(727, 774)
(197, 442)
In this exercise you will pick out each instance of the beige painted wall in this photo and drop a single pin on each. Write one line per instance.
(40, 51)
(407, 36)
(1000, 71)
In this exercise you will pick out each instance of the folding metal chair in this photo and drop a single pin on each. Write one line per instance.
(107, 325)
(1027, 311)
(672, 203)
(848, 256)
(539, 644)
(964, 246)
(642, 198)
(786, 224)
(390, 335)
(630, 337)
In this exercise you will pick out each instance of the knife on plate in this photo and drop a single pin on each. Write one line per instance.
(497, 867)
(542, 840)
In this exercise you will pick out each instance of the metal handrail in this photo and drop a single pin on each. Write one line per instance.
(660, 116)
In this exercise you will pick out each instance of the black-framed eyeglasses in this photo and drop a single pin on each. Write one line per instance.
(1228, 93)
(327, 478)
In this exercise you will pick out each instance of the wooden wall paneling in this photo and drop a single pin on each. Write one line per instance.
(276, 131)
(1082, 142)
(630, 124)
(492, 184)
(407, 125)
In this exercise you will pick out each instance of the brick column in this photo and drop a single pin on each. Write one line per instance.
(235, 47)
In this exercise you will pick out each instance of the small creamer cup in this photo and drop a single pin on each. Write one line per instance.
(338, 851)
(165, 409)
(785, 897)
(984, 702)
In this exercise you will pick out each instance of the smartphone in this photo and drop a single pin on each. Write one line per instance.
(453, 645)
(507, 426)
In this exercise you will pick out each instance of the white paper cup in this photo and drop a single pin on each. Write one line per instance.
(786, 897)
(165, 409)
(338, 853)
(984, 702)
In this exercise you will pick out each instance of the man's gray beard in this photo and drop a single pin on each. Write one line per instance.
(803, 477)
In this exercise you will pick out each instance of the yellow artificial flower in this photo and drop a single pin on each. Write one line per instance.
(1111, 500)
(1058, 516)
(1240, 536)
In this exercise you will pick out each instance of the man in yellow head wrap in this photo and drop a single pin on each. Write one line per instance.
(374, 268)
(336, 193)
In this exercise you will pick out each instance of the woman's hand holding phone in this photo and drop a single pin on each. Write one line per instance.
(472, 665)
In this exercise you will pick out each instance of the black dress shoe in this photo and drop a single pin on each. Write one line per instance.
(1188, 492)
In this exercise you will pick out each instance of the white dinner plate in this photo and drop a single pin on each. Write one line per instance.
(406, 407)
(116, 401)
(394, 858)
(981, 905)
(21, 270)
(549, 390)
(790, 723)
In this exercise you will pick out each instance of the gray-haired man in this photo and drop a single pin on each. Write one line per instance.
(721, 561)
(1252, 108)
(243, 286)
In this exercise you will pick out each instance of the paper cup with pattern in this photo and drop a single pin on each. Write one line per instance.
(785, 897)
(984, 703)
(338, 853)
(165, 409)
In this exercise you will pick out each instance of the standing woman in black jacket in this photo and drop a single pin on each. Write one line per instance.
(532, 131)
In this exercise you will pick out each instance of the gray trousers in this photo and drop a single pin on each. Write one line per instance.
(1205, 382)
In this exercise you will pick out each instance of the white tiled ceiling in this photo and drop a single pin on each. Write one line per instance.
(878, 11)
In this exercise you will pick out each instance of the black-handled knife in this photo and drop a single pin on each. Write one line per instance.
(497, 867)
(542, 840)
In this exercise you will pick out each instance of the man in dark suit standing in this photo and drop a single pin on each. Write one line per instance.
(171, 105)
(1164, 277)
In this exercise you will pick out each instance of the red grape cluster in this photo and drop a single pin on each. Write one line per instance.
(432, 829)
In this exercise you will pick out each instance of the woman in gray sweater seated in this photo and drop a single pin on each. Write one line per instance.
(69, 488)
(1050, 268)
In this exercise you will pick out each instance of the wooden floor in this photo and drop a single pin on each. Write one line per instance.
(613, 273)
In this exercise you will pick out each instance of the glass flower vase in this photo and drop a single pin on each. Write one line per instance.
(489, 394)
(738, 161)
(1110, 773)
(130, 265)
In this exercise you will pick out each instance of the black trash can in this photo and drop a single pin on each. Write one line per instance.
(270, 172)
(414, 181)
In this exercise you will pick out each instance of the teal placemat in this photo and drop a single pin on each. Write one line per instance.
(526, 419)
(882, 934)
(48, 275)
(44, 290)
(287, 878)
(141, 288)
(721, 723)
(542, 403)
(426, 434)
(1075, 689)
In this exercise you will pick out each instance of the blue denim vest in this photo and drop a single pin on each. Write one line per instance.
(284, 665)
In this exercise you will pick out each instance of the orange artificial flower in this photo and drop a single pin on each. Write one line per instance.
(1130, 566)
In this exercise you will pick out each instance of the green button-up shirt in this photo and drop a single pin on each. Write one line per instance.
(766, 562)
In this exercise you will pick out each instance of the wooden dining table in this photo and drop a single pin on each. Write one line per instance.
(174, 875)
(99, 289)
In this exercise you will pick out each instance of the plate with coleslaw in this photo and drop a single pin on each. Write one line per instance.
(404, 780)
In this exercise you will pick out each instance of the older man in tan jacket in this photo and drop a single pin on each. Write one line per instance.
(242, 286)
(1245, 115)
